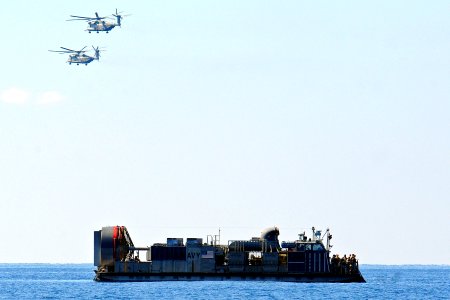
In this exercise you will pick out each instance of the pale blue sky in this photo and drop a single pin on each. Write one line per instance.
(231, 114)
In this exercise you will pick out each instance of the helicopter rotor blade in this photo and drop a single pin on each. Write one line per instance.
(80, 17)
(67, 49)
(60, 51)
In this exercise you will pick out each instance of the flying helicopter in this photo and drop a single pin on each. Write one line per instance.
(79, 56)
(98, 23)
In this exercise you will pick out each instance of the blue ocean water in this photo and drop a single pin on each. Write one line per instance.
(26, 281)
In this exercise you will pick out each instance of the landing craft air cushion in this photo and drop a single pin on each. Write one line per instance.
(260, 258)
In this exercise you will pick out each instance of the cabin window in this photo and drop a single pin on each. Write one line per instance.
(308, 247)
(318, 247)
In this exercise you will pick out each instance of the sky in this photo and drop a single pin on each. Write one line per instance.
(238, 115)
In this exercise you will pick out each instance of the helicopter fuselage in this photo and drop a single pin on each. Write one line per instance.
(80, 59)
(100, 26)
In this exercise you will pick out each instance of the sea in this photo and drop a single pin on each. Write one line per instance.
(75, 281)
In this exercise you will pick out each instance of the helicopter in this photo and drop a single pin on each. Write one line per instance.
(79, 57)
(98, 23)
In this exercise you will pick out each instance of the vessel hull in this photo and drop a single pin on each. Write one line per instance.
(152, 277)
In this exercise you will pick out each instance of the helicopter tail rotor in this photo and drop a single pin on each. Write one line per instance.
(119, 17)
(97, 52)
